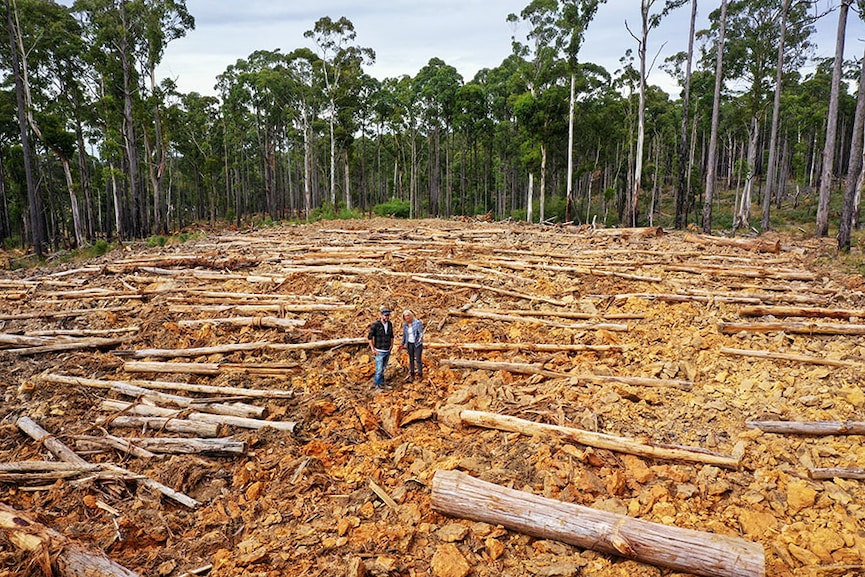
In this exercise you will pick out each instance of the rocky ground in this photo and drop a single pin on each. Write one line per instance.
(657, 337)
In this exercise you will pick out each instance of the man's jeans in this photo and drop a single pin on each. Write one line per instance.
(381, 359)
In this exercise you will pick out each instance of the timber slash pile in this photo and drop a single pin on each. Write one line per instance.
(622, 402)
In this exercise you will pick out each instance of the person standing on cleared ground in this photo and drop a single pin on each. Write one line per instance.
(381, 342)
(412, 341)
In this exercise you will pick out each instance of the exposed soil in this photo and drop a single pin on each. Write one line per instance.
(316, 501)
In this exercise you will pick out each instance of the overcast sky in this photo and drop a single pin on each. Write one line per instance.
(405, 34)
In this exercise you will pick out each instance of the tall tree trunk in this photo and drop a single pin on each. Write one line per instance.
(346, 173)
(828, 167)
(543, 187)
(38, 234)
(126, 63)
(682, 187)
(743, 214)
(854, 168)
(711, 160)
(156, 166)
(569, 184)
(529, 198)
(776, 114)
(633, 210)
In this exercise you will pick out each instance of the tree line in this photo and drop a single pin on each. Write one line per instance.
(94, 146)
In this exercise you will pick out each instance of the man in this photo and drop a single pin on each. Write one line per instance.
(381, 342)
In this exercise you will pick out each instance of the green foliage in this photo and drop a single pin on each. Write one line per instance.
(160, 240)
(157, 240)
(348, 214)
(98, 248)
(393, 207)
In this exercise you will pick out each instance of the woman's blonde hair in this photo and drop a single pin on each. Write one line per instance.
(407, 312)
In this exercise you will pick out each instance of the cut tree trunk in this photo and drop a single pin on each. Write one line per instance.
(837, 473)
(792, 327)
(163, 424)
(219, 446)
(475, 286)
(547, 347)
(54, 552)
(813, 312)
(151, 411)
(791, 357)
(686, 550)
(171, 386)
(156, 397)
(64, 453)
(528, 369)
(598, 440)
(755, 244)
(524, 319)
(817, 428)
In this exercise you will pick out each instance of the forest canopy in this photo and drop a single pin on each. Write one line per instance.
(94, 146)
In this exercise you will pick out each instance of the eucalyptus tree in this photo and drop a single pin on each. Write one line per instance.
(576, 16)
(437, 84)
(473, 120)
(259, 92)
(38, 236)
(853, 188)
(127, 39)
(828, 165)
(711, 157)
(197, 137)
(757, 34)
(162, 22)
(339, 54)
(544, 70)
(683, 179)
(303, 105)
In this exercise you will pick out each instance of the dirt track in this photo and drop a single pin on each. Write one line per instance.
(664, 308)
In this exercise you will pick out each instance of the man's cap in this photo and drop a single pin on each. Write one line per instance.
(385, 311)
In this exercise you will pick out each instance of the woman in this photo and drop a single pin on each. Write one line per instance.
(412, 341)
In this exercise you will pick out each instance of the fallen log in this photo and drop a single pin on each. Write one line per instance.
(172, 445)
(254, 322)
(54, 552)
(193, 352)
(212, 369)
(528, 369)
(72, 345)
(476, 286)
(42, 471)
(329, 344)
(547, 347)
(599, 440)
(151, 411)
(156, 397)
(817, 428)
(126, 446)
(525, 319)
(59, 314)
(827, 473)
(64, 453)
(748, 272)
(686, 550)
(793, 327)
(791, 357)
(565, 314)
(172, 386)
(811, 312)
(172, 425)
(755, 244)
(637, 232)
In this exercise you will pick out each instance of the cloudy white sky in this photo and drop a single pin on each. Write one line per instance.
(405, 34)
